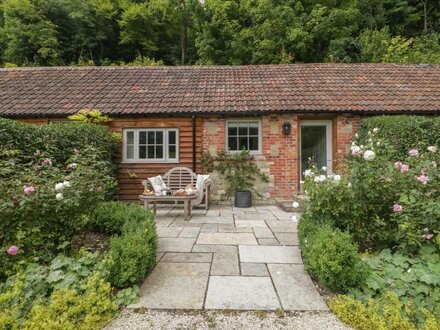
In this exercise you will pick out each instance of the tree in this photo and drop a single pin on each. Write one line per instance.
(30, 38)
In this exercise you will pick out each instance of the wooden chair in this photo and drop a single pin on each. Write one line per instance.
(180, 177)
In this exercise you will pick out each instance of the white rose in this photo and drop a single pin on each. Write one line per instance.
(308, 173)
(432, 148)
(369, 155)
(337, 177)
(378, 143)
(375, 130)
(59, 196)
(370, 140)
(349, 185)
(322, 177)
(324, 168)
(356, 135)
(295, 205)
(294, 218)
(66, 184)
(59, 186)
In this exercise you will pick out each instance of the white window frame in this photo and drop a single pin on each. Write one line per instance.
(260, 135)
(329, 142)
(136, 158)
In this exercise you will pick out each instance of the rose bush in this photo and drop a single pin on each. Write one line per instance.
(383, 203)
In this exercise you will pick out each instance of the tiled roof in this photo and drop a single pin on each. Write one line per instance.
(221, 89)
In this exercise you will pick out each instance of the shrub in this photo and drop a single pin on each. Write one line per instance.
(132, 253)
(43, 202)
(90, 307)
(414, 280)
(386, 315)
(332, 257)
(382, 203)
(58, 141)
(402, 132)
(37, 288)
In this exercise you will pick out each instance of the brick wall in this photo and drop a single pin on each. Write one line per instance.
(280, 153)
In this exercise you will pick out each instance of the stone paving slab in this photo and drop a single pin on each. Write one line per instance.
(168, 232)
(175, 244)
(252, 269)
(254, 216)
(230, 228)
(225, 264)
(175, 286)
(270, 254)
(187, 257)
(282, 226)
(190, 232)
(227, 238)
(209, 228)
(268, 241)
(214, 248)
(216, 220)
(295, 288)
(287, 238)
(263, 233)
(250, 224)
(241, 293)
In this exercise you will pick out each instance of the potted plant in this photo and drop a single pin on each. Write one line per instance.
(240, 172)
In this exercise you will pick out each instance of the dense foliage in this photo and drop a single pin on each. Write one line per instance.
(154, 32)
(331, 256)
(68, 292)
(387, 201)
(133, 250)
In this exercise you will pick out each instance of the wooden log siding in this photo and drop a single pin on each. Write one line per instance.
(130, 175)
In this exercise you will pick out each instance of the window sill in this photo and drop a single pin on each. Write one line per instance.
(150, 162)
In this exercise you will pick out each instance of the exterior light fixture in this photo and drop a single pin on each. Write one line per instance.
(287, 128)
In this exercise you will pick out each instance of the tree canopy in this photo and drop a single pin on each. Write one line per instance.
(176, 32)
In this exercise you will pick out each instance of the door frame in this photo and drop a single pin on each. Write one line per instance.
(328, 123)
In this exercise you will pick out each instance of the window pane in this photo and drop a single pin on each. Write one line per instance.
(142, 152)
(159, 137)
(150, 152)
(130, 137)
(159, 152)
(253, 128)
(232, 143)
(253, 143)
(171, 137)
(172, 152)
(130, 152)
(232, 129)
(151, 138)
(313, 147)
(243, 143)
(142, 137)
(243, 129)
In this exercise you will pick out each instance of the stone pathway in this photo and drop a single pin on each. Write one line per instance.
(229, 259)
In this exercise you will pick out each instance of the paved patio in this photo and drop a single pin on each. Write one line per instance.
(229, 259)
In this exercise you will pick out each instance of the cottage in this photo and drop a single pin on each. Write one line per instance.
(168, 116)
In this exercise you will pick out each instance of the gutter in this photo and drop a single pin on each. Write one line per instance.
(194, 146)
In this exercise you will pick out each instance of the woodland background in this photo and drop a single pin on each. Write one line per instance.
(196, 32)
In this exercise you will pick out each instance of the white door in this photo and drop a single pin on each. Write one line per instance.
(316, 145)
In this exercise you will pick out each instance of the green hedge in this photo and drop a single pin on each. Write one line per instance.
(133, 249)
(403, 132)
(58, 140)
(331, 255)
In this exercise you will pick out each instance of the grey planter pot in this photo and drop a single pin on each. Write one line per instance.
(243, 199)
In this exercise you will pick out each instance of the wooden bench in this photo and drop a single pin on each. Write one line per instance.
(180, 177)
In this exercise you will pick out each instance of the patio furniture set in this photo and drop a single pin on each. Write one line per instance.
(180, 185)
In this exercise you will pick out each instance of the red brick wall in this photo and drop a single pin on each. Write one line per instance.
(280, 153)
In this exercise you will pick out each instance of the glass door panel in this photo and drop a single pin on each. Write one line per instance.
(315, 145)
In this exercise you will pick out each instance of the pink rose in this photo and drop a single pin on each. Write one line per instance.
(37, 152)
(47, 161)
(423, 179)
(404, 168)
(414, 153)
(397, 208)
(397, 165)
(428, 237)
(28, 190)
(13, 250)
